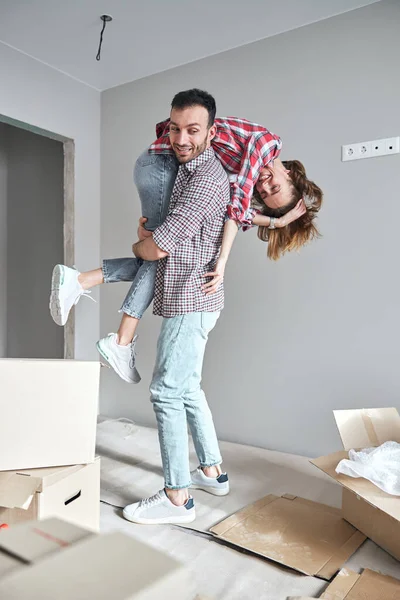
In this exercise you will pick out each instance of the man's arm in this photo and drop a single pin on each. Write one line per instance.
(148, 250)
(202, 199)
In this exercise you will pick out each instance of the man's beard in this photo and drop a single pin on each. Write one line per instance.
(193, 154)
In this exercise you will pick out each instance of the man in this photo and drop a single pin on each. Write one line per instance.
(188, 244)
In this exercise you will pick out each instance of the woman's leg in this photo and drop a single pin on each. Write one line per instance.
(154, 176)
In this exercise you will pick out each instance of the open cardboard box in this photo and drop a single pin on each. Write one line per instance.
(304, 535)
(67, 562)
(70, 493)
(48, 412)
(370, 585)
(28, 543)
(364, 505)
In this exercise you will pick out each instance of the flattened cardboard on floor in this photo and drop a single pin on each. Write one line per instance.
(105, 567)
(304, 535)
(370, 585)
(48, 412)
(368, 508)
(28, 543)
(70, 493)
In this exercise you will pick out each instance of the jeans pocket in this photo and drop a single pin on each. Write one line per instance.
(146, 159)
(208, 321)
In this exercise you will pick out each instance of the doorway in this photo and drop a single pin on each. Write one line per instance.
(36, 232)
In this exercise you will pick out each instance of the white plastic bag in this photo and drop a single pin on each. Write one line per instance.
(379, 465)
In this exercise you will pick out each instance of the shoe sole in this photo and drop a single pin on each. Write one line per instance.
(57, 280)
(163, 521)
(210, 490)
(112, 363)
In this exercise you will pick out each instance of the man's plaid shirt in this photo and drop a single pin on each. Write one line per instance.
(192, 235)
(243, 148)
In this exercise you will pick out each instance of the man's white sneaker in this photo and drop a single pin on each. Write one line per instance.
(120, 358)
(159, 509)
(65, 293)
(218, 486)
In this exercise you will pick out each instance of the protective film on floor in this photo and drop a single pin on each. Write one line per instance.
(131, 470)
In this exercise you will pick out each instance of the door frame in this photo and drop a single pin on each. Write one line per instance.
(69, 212)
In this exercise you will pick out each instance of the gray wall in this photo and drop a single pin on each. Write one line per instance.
(35, 242)
(3, 241)
(42, 97)
(315, 331)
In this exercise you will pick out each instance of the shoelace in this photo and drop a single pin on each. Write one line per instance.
(147, 502)
(87, 294)
(133, 354)
(84, 293)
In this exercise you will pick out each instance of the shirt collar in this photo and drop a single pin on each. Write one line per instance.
(192, 165)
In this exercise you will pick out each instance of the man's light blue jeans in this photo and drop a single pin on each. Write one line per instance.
(154, 176)
(178, 399)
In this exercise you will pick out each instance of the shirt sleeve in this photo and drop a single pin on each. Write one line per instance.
(260, 150)
(200, 202)
(162, 128)
(162, 144)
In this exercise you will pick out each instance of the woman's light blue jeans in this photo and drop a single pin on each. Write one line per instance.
(154, 176)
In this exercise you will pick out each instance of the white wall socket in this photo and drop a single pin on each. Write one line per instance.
(371, 149)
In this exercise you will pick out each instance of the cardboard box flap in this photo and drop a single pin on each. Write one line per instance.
(341, 585)
(364, 428)
(110, 566)
(362, 487)
(17, 487)
(16, 491)
(303, 535)
(33, 540)
(370, 584)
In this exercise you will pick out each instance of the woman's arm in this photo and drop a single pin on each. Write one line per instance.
(230, 231)
(294, 214)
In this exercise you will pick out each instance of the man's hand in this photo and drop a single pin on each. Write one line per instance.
(217, 278)
(292, 215)
(142, 232)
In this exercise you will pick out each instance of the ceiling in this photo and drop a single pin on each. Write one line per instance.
(148, 36)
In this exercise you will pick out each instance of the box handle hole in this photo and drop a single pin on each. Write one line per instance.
(75, 497)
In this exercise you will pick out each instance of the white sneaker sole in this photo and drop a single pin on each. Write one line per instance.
(55, 305)
(162, 521)
(113, 364)
(210, 490)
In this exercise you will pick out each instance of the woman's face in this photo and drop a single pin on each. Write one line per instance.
(274, 185)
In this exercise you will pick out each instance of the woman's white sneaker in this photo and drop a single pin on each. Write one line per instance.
(66, 291)
(218, 486)
(120, 358)
(159, 509)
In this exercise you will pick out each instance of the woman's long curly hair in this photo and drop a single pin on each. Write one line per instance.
(299, 232)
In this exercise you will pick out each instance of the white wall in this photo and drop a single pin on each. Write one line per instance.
(3, 241)
(316, 331)
(35, 217)
(36, 94)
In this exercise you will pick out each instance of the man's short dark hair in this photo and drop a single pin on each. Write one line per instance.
(196, 97)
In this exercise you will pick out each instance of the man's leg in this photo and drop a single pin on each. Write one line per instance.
(208, 476)
(171, 371)
(176, 395)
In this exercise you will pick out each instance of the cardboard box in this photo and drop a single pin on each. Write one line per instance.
(112, 566)
(370, 585)
(304, 535)
(31, 542)
(70, 493)
(48, 412)
(368, 508)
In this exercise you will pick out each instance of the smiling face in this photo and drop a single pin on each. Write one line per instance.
(189, 132)
(274, 185)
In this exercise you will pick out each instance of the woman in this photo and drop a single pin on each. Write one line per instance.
(273, 195)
